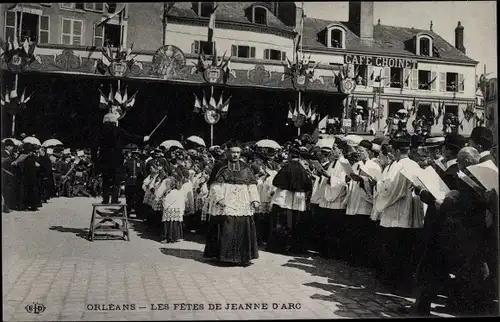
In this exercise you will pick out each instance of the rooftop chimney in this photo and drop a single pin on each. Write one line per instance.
(361, 19)
(459, 37)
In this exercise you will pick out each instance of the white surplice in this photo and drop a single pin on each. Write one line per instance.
(335, 188)
(360, 200)
(396, 203)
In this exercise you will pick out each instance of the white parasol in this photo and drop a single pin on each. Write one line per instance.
(353, 140)
(170, 143)
(402, 111)
(51, 142)
(359, 107)
(32, 140)
(268, 144)
(15, 141)
(197, 140)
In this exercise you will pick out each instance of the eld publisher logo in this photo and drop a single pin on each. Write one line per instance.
(35, 308)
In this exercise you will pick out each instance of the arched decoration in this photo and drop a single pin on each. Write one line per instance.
(259, 15)
(335, 36)
(424, 44)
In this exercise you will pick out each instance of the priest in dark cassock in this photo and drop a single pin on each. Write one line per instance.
(9, 179)
(46, 178)
(293, 184)
(27, 166)
(234, 199)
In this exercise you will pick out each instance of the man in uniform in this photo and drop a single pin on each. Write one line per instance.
(134, 170)
(111, 141)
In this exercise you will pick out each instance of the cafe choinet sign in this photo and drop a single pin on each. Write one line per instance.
(379, 61)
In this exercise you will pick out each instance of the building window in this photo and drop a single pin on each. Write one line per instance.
(243, 51)
(424, 78)
(451, 82)
(362, 76)
(73, 5)
(29, 30)
(396, 77)
(205, 9)
(336, 38)
(424, 45)
(260, 15)
(94, 6)
(394, 107)
(199, 46)
(272, 54)
(71, 32)
(44, 30)
(109, 34)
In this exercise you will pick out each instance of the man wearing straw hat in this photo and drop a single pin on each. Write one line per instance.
(111, 141)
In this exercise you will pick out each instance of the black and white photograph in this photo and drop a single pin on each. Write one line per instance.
(249, 160)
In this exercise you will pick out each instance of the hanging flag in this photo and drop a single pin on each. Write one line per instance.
(322, 122)
(379, 77)
(309, 111)
(301, 109)
(290, 113)
(131, 101)
(204, 105)
(313, 116)
(110, 96)
(225, 106)
(295, 112)
(125, 96)
(432, 81)
(197, 104)
(372, 75)
(213, 103)
(219, 104)
(7, 96)
(120, 8)
(13, 93)
(118, 96)
(103, 103)
(407, 80)
(211, 23)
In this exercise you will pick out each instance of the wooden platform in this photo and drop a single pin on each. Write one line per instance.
(113, 214)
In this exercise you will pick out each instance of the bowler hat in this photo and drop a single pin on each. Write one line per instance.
(366, 144)
(482, 135)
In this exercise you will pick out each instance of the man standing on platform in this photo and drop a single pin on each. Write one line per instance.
(233, 192)
(111, 140)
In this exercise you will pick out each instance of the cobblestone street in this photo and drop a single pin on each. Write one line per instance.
(48, 260)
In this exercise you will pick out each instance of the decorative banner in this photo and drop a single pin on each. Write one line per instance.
(117, 102)
(168, 61)
(18, 56)
(347, 86)
(215, 70)
(12, 103)
(212, 109)
(300, 72)
(117, 66)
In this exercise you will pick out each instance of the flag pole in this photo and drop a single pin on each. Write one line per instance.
(211, 135)
(300, 101)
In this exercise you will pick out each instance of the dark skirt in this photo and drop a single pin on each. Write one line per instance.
(358, 238)
(172, 231)
(332, 236)
(263, 227)
(231, 239)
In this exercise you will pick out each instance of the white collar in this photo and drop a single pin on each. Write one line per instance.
(484, 153)
(450, 163)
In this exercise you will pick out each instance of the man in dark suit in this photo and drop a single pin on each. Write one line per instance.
(111, 141)
(481, 138)
(134, 168)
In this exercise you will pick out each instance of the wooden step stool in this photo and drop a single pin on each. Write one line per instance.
(118, 213)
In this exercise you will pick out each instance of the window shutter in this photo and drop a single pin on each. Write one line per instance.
(442, 82)
(406, 79)
(283, 55)
(43, 30)
(267, 55)
(434, 84)
(414, 79)
(461, 83)
(99, 6)
(10, 25)
(252, 52)
(387, 75)
(195, 47)
(369, 76)
(234, 50)
(88, 6)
